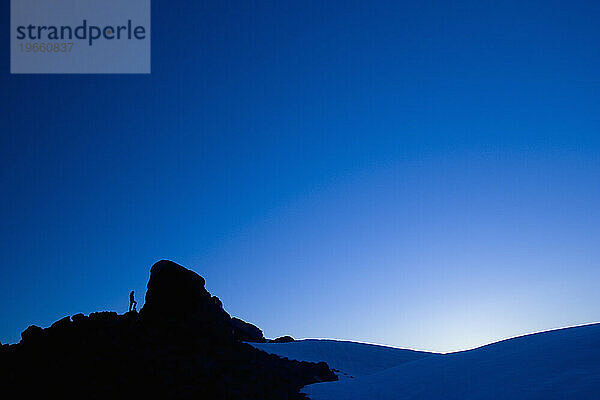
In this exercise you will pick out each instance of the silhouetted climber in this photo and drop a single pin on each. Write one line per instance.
(132, 301)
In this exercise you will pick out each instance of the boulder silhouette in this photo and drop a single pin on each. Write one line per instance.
(177, 295)
(246, 332)
(174, 290)
(32, 333)
(282, 339)
(180, 346)
(61, 323)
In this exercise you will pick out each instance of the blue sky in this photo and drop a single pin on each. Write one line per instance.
(418, 174)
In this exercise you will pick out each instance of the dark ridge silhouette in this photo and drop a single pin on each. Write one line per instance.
(282, 339)
(182, 345)
(247, 332)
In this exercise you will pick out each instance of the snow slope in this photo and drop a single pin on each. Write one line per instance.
(350, 358)
(560, 364)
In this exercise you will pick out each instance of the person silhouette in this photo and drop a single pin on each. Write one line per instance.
(132, 301)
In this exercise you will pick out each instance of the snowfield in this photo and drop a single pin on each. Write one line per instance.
(350, 358)
(560, 364)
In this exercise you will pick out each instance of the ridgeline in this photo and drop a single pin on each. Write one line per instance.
(181, 345)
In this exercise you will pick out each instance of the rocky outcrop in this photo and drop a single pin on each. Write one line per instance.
(176, 295)
(282, 339)
(246, 332)
(182, 345)
(174, 291)
(31, 334)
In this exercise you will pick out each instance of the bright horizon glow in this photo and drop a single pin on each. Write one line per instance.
(454, 351)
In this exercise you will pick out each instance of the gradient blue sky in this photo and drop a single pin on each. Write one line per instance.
(420, 174)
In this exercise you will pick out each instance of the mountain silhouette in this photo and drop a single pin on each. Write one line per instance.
(181, 345)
